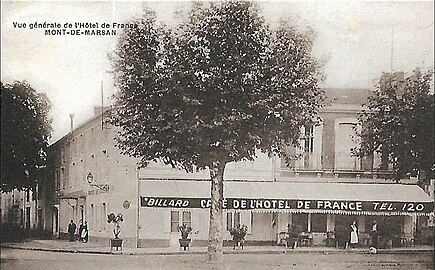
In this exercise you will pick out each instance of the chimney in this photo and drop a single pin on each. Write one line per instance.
(71, 116)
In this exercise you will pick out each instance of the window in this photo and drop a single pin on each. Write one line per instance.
(175, 220)
(81, 143)
(187, 218)
(180, 218)
(92, 223)
(63, 154)
(310, 146)
(63, 178)
(309, 139)
(57, 179)
(73, 147)
(345, 142)
(103, 216)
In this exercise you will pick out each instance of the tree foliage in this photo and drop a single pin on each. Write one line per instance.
(26, 129)
(218, 87)
(213, 90)
(399, 123)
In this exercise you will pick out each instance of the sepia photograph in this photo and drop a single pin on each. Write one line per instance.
(226, 135)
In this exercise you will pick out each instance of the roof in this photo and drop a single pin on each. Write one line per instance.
(347, 95)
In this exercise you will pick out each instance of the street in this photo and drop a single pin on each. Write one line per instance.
(41, 260)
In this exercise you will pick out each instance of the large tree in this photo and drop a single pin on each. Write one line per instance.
(25, 128)
(213, 90)
(399, 124)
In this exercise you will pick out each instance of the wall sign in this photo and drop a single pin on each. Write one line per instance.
(276, 204)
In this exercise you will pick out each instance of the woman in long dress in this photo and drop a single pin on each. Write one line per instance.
(353, 234)
(85, 232)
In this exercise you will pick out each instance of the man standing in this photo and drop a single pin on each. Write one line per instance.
(375, 234)
(71, 230)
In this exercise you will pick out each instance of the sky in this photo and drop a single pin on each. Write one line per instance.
(357, 40)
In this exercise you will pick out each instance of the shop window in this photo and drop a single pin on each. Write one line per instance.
(233, 220)
(318, 223)
(301, 220)
(179, 218)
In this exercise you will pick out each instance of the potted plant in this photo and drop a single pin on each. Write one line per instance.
(184, 240)
(115, 220)
(238, 235)
(293, 235)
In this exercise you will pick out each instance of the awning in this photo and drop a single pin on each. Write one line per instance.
(72, 195)
(296, 197)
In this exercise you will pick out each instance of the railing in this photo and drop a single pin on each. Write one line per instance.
(333, 173)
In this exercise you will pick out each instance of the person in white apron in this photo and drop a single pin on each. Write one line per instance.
(84, 234)
(353, 234)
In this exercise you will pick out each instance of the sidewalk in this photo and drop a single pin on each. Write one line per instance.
(77, 247)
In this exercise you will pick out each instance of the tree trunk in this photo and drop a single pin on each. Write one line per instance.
(215, 252)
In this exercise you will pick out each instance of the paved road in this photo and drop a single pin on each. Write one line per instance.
(41, 260)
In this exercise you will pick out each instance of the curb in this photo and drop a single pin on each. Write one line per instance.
(228, 252)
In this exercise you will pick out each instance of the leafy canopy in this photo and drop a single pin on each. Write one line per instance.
(215, 88)
(399, 123)
(26, 129)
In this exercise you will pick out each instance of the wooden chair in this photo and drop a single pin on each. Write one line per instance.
(282, 239)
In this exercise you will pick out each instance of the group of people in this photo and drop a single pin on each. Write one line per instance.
(353, 240)
(83, 231)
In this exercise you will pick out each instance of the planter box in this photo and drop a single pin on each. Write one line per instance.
(184, 243)
(115, 243)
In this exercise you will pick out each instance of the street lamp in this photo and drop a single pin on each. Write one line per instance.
(90, 179)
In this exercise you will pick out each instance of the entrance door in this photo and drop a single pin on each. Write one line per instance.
(28, 217)
(274, 227)
(55, 220)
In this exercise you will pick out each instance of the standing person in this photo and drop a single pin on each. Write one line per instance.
(80, 230)
(72, 230)
(353, 234)
(375, 234)
(84, 233)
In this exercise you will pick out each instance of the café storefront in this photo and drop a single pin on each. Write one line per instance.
(267, 208)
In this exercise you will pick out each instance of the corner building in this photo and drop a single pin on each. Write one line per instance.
(326, 187)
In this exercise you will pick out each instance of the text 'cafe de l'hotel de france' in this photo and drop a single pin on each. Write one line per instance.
(326, 187)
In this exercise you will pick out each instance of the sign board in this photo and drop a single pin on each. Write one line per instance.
(282, 204)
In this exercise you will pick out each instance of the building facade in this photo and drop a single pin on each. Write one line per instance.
(28, 209)
(325, 187)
